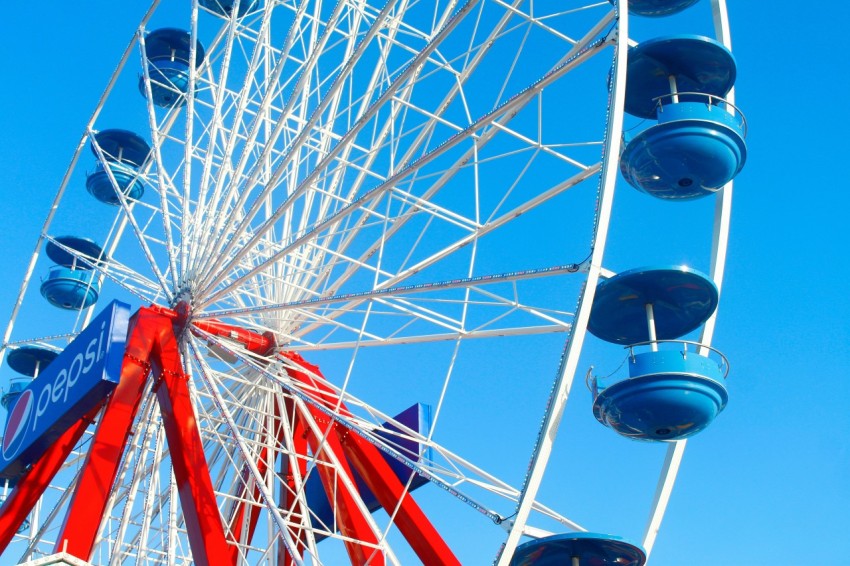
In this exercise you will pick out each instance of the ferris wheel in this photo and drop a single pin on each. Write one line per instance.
(363, 244)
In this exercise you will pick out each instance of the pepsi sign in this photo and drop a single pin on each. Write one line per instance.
(73, 384)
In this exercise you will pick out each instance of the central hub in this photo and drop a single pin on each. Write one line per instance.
(184, 314)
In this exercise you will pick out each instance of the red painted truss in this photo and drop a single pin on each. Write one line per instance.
(152, 350)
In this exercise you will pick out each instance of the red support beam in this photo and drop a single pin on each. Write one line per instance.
(191, 472)
(414, 525)
(151, 340)
(352, 522)
(258, 343)
(316, 387)
(32, 484)
(288, 499)
(98, 474)
(152, 344)
(265, 460)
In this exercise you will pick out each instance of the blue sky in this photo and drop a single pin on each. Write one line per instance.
(769, 482)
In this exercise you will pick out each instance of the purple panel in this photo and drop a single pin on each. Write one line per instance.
(418, 418)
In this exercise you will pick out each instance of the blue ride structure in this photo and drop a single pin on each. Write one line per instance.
(657, 8)
(28, 361)
(71, 284)
(225, 7)
(670, 394)
(697, 144)
(579, 549)
(120, 156)
(168, 55)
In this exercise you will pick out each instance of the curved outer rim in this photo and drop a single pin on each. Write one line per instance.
(575, 338)
(63, 185)
(719, 248)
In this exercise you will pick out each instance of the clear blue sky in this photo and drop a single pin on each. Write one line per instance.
(769, 482)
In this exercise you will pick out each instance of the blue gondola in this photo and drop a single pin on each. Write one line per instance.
(168, 54)
(682, 299)
(697, 144)
(11, 395)
(657, 8)
(29, 361)
(124, 152)
(579, 549)
(225, 7)
(669, 395)
(675, 388)
(71, 284)
(121, 146)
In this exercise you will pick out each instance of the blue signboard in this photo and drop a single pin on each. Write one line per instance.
(74, 383)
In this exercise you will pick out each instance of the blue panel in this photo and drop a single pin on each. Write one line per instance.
(84, 246)
(77, 380)
(28, 359)
(72, 290)
(122, 146)
(100, 186)
(668, 397)
(694, 151)
(589, 548)
(658, 8)
(417, 418)
(171, 44)
(225, 7)
(700, 65)
(674, 362)
(682, 298)
(168, 52)
(169, 82)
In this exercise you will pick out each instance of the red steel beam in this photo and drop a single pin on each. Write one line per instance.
(191, 472)
(151, 341)
(288, 499)
(258, 343)
(412, 522)
(88, 504)
(316, 387)
(414, 525)
(152, 344)
(244, 503)
(352, 522)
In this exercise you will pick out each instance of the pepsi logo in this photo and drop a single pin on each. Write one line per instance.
(16, 426)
